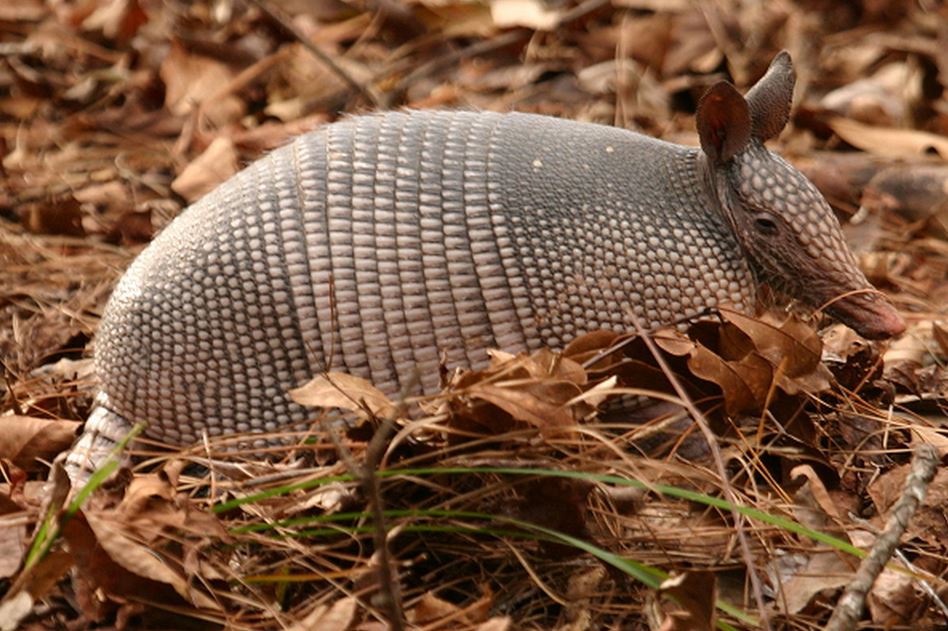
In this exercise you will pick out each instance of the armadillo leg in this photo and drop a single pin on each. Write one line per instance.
(103, 431)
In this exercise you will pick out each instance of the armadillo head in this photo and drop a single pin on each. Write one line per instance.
(786, 228)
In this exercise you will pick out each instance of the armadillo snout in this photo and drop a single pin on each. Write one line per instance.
(869, 314)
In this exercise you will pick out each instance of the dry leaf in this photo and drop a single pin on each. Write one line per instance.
(13, 545)
(524, 406)
(743, 383)
(696, 594)
(530, 13)
(218, 162)
(802, 576)
(194, 81)
(499, 623)
(335, 617)
(887, 141)
(339, 390)
(26, 440)
(430, 608)
(120, 566)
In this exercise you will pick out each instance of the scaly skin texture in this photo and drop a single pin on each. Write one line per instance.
(387, 243)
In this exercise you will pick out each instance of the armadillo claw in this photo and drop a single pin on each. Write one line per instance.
(103, 431)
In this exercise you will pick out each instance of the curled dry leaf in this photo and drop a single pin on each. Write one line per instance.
(150, 546)
(803, 576)
(195, 81)
(695, 593)
(529, 407)
(27, 441)
(498, 623)
(121, 566)
(791, 343)
(586, 347)
(430, 609)
(887, 141)
(744, 383)
(13, 539)
(530, 13)
(340, 390)
(792, 347)
(335, 617)
(217, 163)
(151, 507)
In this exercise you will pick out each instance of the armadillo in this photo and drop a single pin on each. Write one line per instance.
(389, 243)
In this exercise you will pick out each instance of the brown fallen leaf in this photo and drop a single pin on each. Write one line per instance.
(117, 20)
(792, 347)
(151, 508)
(217, 163)
(586, 347)
(140, 561)
(13, 539)
(60, 215)
(136, 572)
(533, 14)
(335, 617)
(499, 623)
(804, 575)
(192, 80)
(744, 383)
(791, 343)
(525, 406)
(18, 603)
(27, 441)
(340, 390)
(695, 593)
(888, 141)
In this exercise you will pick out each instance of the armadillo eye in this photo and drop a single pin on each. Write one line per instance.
(765, 225)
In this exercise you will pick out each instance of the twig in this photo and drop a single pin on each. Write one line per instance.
(8, 379)
(853, 601)
(924, 577)
(391, 600)
(287, 25)
(711, 439)
(440, 63)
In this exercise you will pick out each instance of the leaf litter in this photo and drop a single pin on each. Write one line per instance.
(114, 114)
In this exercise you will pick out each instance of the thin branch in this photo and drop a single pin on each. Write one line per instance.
(284, 22)
(485, 46)
(389, 588)
(853, 601)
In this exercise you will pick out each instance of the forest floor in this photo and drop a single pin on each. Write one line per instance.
(742, 491)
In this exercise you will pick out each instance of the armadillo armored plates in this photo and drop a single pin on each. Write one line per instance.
(381, 243)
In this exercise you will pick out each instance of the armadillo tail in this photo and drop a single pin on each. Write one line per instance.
(103, 431)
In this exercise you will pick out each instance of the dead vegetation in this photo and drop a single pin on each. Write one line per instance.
(750, 460)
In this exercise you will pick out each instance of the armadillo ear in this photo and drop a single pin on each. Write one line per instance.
(770, 98)
(724, 123)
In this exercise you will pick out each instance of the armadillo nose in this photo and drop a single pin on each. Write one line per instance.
(872, 316)
(891, 323)
(882, 325)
